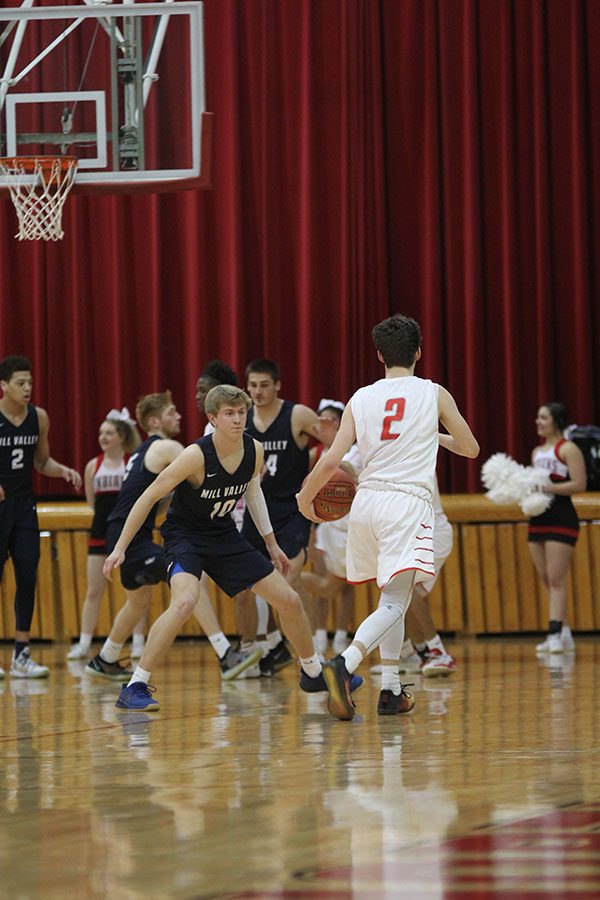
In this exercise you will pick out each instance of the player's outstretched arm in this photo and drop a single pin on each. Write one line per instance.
(460, 439)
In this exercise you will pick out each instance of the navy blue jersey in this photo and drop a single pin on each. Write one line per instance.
(17, 452)
(209, 507)
(135, 481)
(286, 464)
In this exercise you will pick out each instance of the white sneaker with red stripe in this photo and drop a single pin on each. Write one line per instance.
(438, 663)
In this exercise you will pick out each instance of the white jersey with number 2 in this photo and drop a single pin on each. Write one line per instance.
(396, 423)
(391, 519)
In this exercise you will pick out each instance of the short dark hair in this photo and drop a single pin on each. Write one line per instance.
(264, 367)
(219, 372)
(398, 340)
(559, 413)
(12, 364)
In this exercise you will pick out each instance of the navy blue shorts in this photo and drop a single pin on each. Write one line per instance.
(227, 558)
(19, 531)
(144, 561)
(291, 529)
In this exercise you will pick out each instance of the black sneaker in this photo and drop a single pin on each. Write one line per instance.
(235, 662)
(391, 704)
(337, 678)
(317, 685)
(102, 669)
(280, 656)
(267, 665)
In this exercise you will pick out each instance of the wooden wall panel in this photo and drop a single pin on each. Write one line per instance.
(594, 543)
(472, 576)
(8, 600)
(490, 577)
(452, 612)
(488, 584)
(583, 607)
(532, 605)
(509, 587)
(48, 614)
(66, 583)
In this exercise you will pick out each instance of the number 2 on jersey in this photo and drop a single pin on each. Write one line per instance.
(397, 404)
(17, 458)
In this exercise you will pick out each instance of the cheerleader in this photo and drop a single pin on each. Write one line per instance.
(552, 536)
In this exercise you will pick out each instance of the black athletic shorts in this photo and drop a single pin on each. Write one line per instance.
(559, 523)
(227, 558)
(103, 506)
(19, 531)
(144, 561)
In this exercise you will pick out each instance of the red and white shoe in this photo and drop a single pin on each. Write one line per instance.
(439, 663)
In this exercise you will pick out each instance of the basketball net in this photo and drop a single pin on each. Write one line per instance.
(38, 187)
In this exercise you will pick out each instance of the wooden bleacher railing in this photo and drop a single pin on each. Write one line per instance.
(488, 585)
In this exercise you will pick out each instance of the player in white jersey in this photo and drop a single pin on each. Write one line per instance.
(390, 537)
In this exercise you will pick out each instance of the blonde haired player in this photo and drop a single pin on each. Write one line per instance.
(395, 422)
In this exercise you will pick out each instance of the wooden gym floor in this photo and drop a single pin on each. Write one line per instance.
(490, 788)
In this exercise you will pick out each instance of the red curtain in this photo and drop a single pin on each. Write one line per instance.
(436, 157)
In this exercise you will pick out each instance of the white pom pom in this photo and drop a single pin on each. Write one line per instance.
(500, 476)
(509, 482)
(536, 503)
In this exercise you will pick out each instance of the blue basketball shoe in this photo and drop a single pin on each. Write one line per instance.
(138, 696)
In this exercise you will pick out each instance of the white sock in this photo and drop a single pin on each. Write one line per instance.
(274, 638)
(140, 675)
(390, 679)
(352, 657)
(436, 644)
(262, 608)
(321, 637)
(220, 644)
(110, 651)
(85, 641)
(311, 666)
(407, 648)
(340, 635)
(565, 631)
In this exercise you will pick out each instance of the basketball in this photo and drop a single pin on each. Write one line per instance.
(335, 498)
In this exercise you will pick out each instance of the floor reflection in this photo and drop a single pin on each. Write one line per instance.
(251, 789)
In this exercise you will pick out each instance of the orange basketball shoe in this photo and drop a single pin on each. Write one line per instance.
(391, 704)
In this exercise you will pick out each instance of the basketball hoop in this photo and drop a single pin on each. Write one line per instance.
(38, 187)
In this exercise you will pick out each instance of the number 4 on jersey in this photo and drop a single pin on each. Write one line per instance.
(271, 464)
(397, 405)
